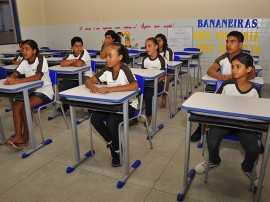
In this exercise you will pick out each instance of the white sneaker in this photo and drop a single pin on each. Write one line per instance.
(256, 178)
(201, 167)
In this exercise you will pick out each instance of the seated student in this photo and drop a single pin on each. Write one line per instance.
(78, 57)
(118, 77)
(112, 37)
(167, 53)
(234, 45)
(17, 60)
(153, 60)
(35, 67)
(239, 85)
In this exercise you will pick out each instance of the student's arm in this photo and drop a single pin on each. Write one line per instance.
(89, 83)
(103, 50)
(74, 62)
(213, 72)
(129, 87)
(12, 79)
(15, 62)
(252, 74)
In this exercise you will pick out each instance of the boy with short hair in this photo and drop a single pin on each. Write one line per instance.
(78, 57)
(234, 45)
(239, 85)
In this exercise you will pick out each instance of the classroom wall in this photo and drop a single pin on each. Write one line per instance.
(53, 23)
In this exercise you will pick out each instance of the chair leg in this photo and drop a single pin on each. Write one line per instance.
(120, 143)
(63, 112)
(91, 134)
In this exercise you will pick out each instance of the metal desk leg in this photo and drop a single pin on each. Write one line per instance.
(175, 110)
(34, 147)
(78, 159)
(189, 83)
(2, 134)
(137, 163)
(263, 167)
(154, 111)
(188, 176)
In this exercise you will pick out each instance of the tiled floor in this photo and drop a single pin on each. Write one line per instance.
(42, 176)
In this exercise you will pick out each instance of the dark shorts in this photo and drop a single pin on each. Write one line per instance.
(42, 96)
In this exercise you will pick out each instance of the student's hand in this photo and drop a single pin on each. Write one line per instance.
(104, 89)
(93, 89)
(105, 43)
(9, 81)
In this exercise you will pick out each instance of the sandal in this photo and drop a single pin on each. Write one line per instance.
(12, 145)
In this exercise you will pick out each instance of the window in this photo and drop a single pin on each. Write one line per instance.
(9, 22)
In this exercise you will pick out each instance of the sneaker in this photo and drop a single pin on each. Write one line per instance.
(256, 178)
(115, 155)
(196, 136)
(201, 167)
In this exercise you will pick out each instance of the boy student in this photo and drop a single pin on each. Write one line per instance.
(234, 45)
(239, 85)
(78, 57)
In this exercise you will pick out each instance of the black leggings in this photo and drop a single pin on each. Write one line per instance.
(109, 130)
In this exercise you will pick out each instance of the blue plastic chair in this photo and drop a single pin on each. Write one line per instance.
(94, 52)
(3, 73)
(45, 48)
(245, 51)
(53, 77)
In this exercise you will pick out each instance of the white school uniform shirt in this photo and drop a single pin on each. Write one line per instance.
(124, 77)
(39, 65)
(224, 63)
(84, 56)
(157, 63)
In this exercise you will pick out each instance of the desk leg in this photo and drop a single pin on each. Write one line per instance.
(199, 72)
(175, 110)
(34, 147)
(154, 111)
(263, 167)
(2, 135)
(137, 163)
(76, 146)
(188, 176)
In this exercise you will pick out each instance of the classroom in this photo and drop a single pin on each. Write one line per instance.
(158, 174)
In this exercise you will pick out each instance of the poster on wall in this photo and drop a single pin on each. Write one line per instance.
(180, 38)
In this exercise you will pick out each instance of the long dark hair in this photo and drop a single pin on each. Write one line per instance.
(115, 36)
(165, 45)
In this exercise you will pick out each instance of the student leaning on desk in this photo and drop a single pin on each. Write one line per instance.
(77, 58)
(221, 69)
(35, 67)
(118, 77)
(239, 85)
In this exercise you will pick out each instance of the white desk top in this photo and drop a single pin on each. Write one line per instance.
(69, 69)
(148, 74)
(9, 67)
(194, 52)
(140, 50)
(18, 87)
(7, 59)
(209, 79)
(236, 106)
(258, 67)
(83, 94)
(54, 59)
(173, 64)
(185, 57)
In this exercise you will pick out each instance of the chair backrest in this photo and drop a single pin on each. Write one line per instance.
(45, 48)
(93, 66)
(245, 51)
(192, 49)
(94, 52)
(53, 77)
(176, 58)
(3, 73)
(140, 81)
(181, 53)
(133, 51)
(143, 47)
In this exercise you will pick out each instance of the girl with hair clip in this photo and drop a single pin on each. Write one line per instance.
(112, 37)
(118, 77)
(35, 67)
(167, 53)
(153, 60)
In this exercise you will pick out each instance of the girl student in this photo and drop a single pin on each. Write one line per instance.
(167, 53)
(35, 67)
(118, 77)
(112, 37)
(153, 60)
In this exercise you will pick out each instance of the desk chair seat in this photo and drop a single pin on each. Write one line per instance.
(93, 52)
(53, 76)
(137, 114)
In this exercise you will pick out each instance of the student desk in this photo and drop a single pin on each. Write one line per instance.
(71, 70)
(210, 80)
(10, 54)
(10, 91)
(258, 70)
(132, 56)
(150, 75)
(49, 54)
(54, 60)
(7, 59)
(80, 96)
(231, 108)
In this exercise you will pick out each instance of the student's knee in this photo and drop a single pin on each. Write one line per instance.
(253, 150)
